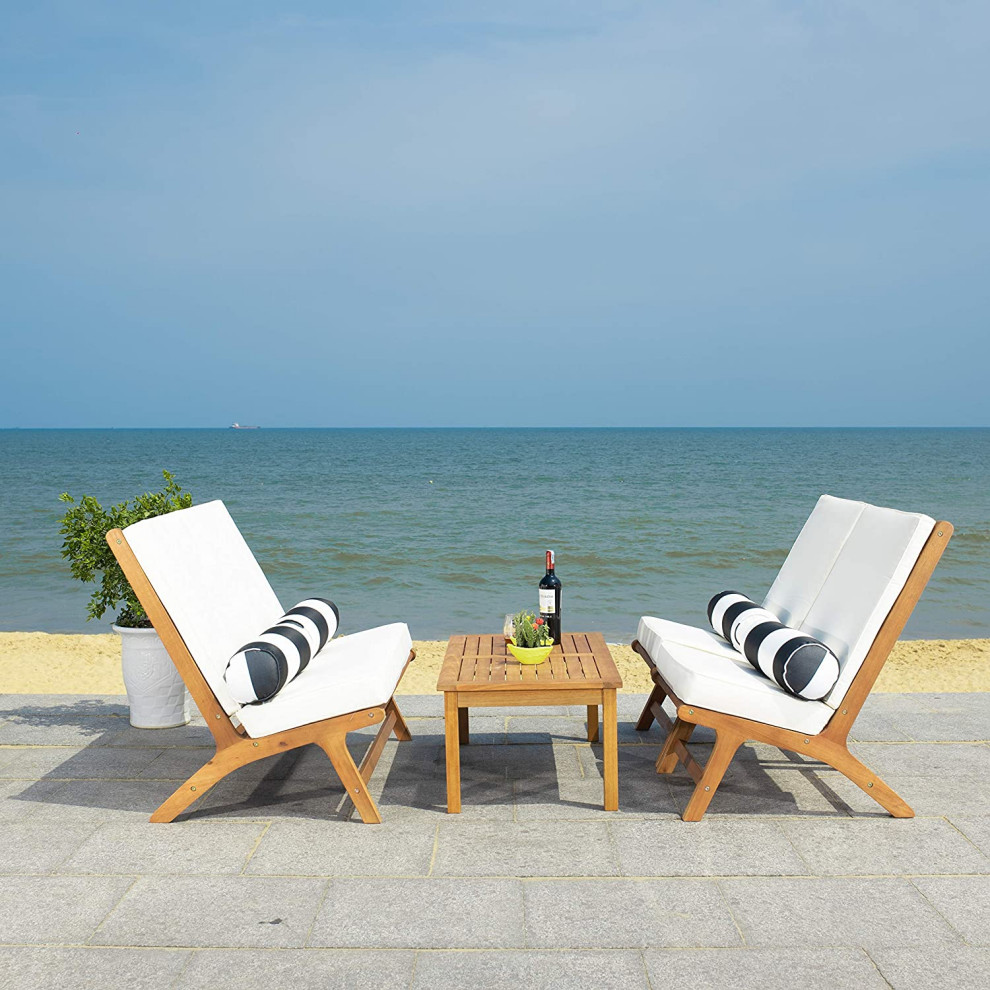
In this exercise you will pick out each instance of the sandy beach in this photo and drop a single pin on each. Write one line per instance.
(45, 663)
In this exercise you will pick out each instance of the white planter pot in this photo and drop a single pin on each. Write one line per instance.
(155, 692)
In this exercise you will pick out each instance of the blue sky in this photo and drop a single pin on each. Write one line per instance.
(494, 213)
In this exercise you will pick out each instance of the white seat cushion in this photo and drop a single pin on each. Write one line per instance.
(348, 674)
(702, 670)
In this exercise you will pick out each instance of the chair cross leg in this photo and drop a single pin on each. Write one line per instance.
(680, 733)
(335, 746)
(726, 744)
(657, 696)
(839, 758)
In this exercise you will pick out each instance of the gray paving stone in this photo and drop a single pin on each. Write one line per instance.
(881, 727)
(102, 800)
(51, 968)
(705, 848)
(947, 726)
(350, 849)
(193, 734)
(749, 788)
(976, 829)
(954, 701)
(568, 795)
(77, 730)
(627, 914)
(969, 760)
(833, 912)
(955, 967)
(42, 910)
(180, 763)
(525, 729)
(407, 798)
(268, 799)
(484, 729)
(412, 913)
(420, 705)
(296, 969)
(925, 795)
(60, 705)
(880, 701)
(27, 847)
(531, 970)
(22, 798)
(887, 846)
(190, 848)
(524, 849)
(764, 969)
(250, 912)
(963, 901)
(67, 763)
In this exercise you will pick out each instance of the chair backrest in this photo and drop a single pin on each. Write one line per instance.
(209, 583)
(843, 575)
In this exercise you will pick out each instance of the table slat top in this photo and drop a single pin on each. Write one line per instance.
(481, 663)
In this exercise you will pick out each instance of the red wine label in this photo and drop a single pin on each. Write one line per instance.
(548, 601)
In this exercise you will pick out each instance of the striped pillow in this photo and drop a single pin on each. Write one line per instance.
(259, 670)
(800, 664)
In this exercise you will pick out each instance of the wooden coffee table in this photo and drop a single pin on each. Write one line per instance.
(478, 672)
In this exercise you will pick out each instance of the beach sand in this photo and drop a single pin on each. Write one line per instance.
(43, 663)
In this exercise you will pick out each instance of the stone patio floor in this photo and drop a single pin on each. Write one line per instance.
(794, 879)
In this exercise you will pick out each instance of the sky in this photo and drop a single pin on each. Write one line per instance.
(494, 213)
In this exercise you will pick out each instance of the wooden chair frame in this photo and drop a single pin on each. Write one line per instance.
(829, 745)
(234, 747)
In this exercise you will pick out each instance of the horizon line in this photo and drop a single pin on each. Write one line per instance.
(252, 429)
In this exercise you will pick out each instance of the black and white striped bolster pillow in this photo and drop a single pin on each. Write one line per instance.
(800, 664)
(259, 670)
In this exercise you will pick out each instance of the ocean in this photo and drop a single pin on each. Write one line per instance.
(445, 528)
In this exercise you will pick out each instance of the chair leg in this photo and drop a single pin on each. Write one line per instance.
(192, 790)
(400, 728)
(681, 732)
(335, 747)
(864, 778)
(725, 748)
(657, 695)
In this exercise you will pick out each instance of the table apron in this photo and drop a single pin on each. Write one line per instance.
(525, 697)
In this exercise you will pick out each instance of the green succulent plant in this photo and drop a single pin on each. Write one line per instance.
(85, 526)
(529, 630)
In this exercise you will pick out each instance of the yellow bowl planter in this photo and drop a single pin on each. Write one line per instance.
(529, 654)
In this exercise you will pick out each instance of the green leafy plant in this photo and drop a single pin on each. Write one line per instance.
(529, 630)
(85, 526)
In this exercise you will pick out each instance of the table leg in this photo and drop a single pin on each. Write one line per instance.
(593, 723)
(451, 721)
(462, 723)
(611, 750)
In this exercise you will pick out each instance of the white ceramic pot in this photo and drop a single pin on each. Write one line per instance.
(155, 692)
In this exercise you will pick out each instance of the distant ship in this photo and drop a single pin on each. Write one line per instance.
(237, 426)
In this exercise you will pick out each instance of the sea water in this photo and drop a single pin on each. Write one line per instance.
(445, 529)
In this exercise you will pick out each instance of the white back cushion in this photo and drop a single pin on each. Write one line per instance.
(811, 559)
(844, 574)
(210, 584)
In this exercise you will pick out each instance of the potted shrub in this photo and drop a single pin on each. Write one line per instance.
(155, 692)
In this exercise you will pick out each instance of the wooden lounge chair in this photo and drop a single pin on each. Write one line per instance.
(207, 597)
(851, 580)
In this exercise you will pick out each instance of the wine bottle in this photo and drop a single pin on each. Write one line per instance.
(550, 599)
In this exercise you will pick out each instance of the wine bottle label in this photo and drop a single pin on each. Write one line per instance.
(548, 601)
